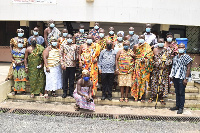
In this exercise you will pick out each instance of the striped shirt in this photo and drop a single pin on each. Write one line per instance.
(179, 66)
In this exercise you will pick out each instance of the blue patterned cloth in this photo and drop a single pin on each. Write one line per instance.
(107, 61)
(179, 66)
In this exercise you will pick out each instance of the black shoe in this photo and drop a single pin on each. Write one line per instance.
(71, 96)
(180, 111)
(110, 98)
(103, 98)
(174, 108)
(64, 95)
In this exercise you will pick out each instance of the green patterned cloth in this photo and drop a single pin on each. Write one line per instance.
(36, 76)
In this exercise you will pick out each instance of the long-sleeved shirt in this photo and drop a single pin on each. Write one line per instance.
(107, 61)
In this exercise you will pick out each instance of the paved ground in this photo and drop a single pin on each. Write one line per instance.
(4, 68)
(57, 106)
(13, 123)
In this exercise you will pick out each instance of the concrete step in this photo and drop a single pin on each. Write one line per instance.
(188, 96)
(188, 89)
(98, 101)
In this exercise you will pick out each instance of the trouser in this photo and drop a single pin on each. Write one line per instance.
(69, 74)
(107, 83)
(180, 92)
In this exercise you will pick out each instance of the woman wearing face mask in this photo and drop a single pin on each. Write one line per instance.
(51, 57)
(124, 68)
(14, 46)
(160, 73)
(88, 55)
(19, 74)
(118, 45)
(83, 92)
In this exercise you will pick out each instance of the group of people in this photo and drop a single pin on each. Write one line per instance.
(136, 64)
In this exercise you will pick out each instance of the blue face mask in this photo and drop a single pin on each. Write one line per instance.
(20, 45)
(52, 25)
(119, 38)
(169, 39)
(69, 40)
(35, 33)
(65, 34)
(89, 41)
(101, 35)
(86, 78)
(81, 30)
(160, 45)
(131, 32)
(181, 51)
(111, 32)
(148, 29)
(126, 47)
(141, 41)
(96, 27)
(20, 34)
(54, 43)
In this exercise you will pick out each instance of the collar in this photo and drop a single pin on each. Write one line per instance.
(147, 34)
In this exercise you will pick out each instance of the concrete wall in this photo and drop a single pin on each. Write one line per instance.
(5, 88)
(5, 55)
(181, 12)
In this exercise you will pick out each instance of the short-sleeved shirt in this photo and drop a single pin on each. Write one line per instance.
(179, 66)
(133, 40)
(150, 39)
(107, 61)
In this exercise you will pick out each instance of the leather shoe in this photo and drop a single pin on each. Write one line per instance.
(103, 98)
(174, 108)
(180, 111)
(64, 95)
(110, 98)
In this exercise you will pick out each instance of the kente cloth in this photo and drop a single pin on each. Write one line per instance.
(19, 74)
(142, 70)
(36, 75)
(88, 57)
(55, 33)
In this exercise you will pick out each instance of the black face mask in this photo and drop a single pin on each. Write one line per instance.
(109, 46)
(34, 42)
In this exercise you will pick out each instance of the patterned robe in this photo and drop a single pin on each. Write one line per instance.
(36, 76)
(141, 74)
(102, 43)
(87, 57)
(162, 59)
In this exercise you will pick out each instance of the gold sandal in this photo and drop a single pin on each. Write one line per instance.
(121, 99)
(150, 100)
(126, 100)
(32, 95)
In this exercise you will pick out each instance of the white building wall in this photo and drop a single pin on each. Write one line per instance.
(181, 12)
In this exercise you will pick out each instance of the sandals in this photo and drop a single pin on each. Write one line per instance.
(150, 100)
(162, 102)
(32, 95)
(126, 100)
(14, 93)
(143, 101)
(77, 108)
(121, 99)
(54, 95)
(46, 96)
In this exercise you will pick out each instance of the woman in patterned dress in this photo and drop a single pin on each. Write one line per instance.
(83, 92)
(124, 68)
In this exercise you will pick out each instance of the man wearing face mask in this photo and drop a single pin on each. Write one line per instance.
(34, 67)
(161, 63)
(53, 72)
(180, 73)
(40, 39)
(132, 38)
(95, 32)
(68, 62)
(150, 38)
(174, 49)
(79, 38)
(111, 36)
(61, 39)
(124, 69)
(143, 67)
(102, 40)
(51, 32)
(88, 56)
(106, 66)
(13, 46)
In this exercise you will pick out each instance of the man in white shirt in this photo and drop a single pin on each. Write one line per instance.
(150, 38)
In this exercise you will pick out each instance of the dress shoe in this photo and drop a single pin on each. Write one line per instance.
(174, 108)
(64, 95)
(180, 111)
(103, 98)
(110, 98)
